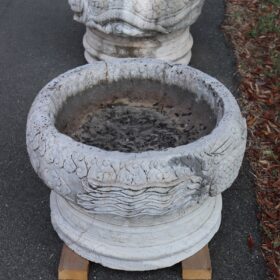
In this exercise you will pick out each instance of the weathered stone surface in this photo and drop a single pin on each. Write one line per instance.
(130, 195)
(137, 28)
(137, 244)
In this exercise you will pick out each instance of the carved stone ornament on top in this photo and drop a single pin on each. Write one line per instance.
(137, 28)
(135, 211)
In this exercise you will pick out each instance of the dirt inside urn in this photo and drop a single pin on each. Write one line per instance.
(124, 119)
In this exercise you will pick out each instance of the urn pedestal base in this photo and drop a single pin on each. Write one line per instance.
(142, 243)
(173, 47)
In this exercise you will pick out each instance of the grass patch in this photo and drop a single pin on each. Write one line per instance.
(265, 24)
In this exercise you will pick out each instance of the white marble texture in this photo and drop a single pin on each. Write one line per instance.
(182, 184)
(137, 244)
(137, 28)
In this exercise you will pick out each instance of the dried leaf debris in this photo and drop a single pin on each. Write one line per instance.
(253, 27)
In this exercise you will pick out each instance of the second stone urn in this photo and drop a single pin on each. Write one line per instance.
(137, 28)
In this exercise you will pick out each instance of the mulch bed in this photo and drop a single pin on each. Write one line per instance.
(253, 27)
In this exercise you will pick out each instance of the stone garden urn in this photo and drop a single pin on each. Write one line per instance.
(137, 28)
(136, 153)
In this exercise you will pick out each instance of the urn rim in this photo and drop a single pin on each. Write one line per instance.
(231, 111)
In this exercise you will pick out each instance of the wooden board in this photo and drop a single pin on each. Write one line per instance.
(198, 266)
(72, 266)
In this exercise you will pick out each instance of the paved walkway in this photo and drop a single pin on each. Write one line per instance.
(38, 41)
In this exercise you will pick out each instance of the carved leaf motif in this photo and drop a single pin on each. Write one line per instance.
(136, 17)
(54, 181)
(127, 202)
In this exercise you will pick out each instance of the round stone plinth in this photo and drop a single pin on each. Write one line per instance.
(175, 47)
(136, 244)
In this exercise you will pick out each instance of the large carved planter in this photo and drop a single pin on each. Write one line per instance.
(145, 209)
(137, 28)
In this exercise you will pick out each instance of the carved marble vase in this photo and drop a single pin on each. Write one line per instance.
(137, 28)
(139, 210)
